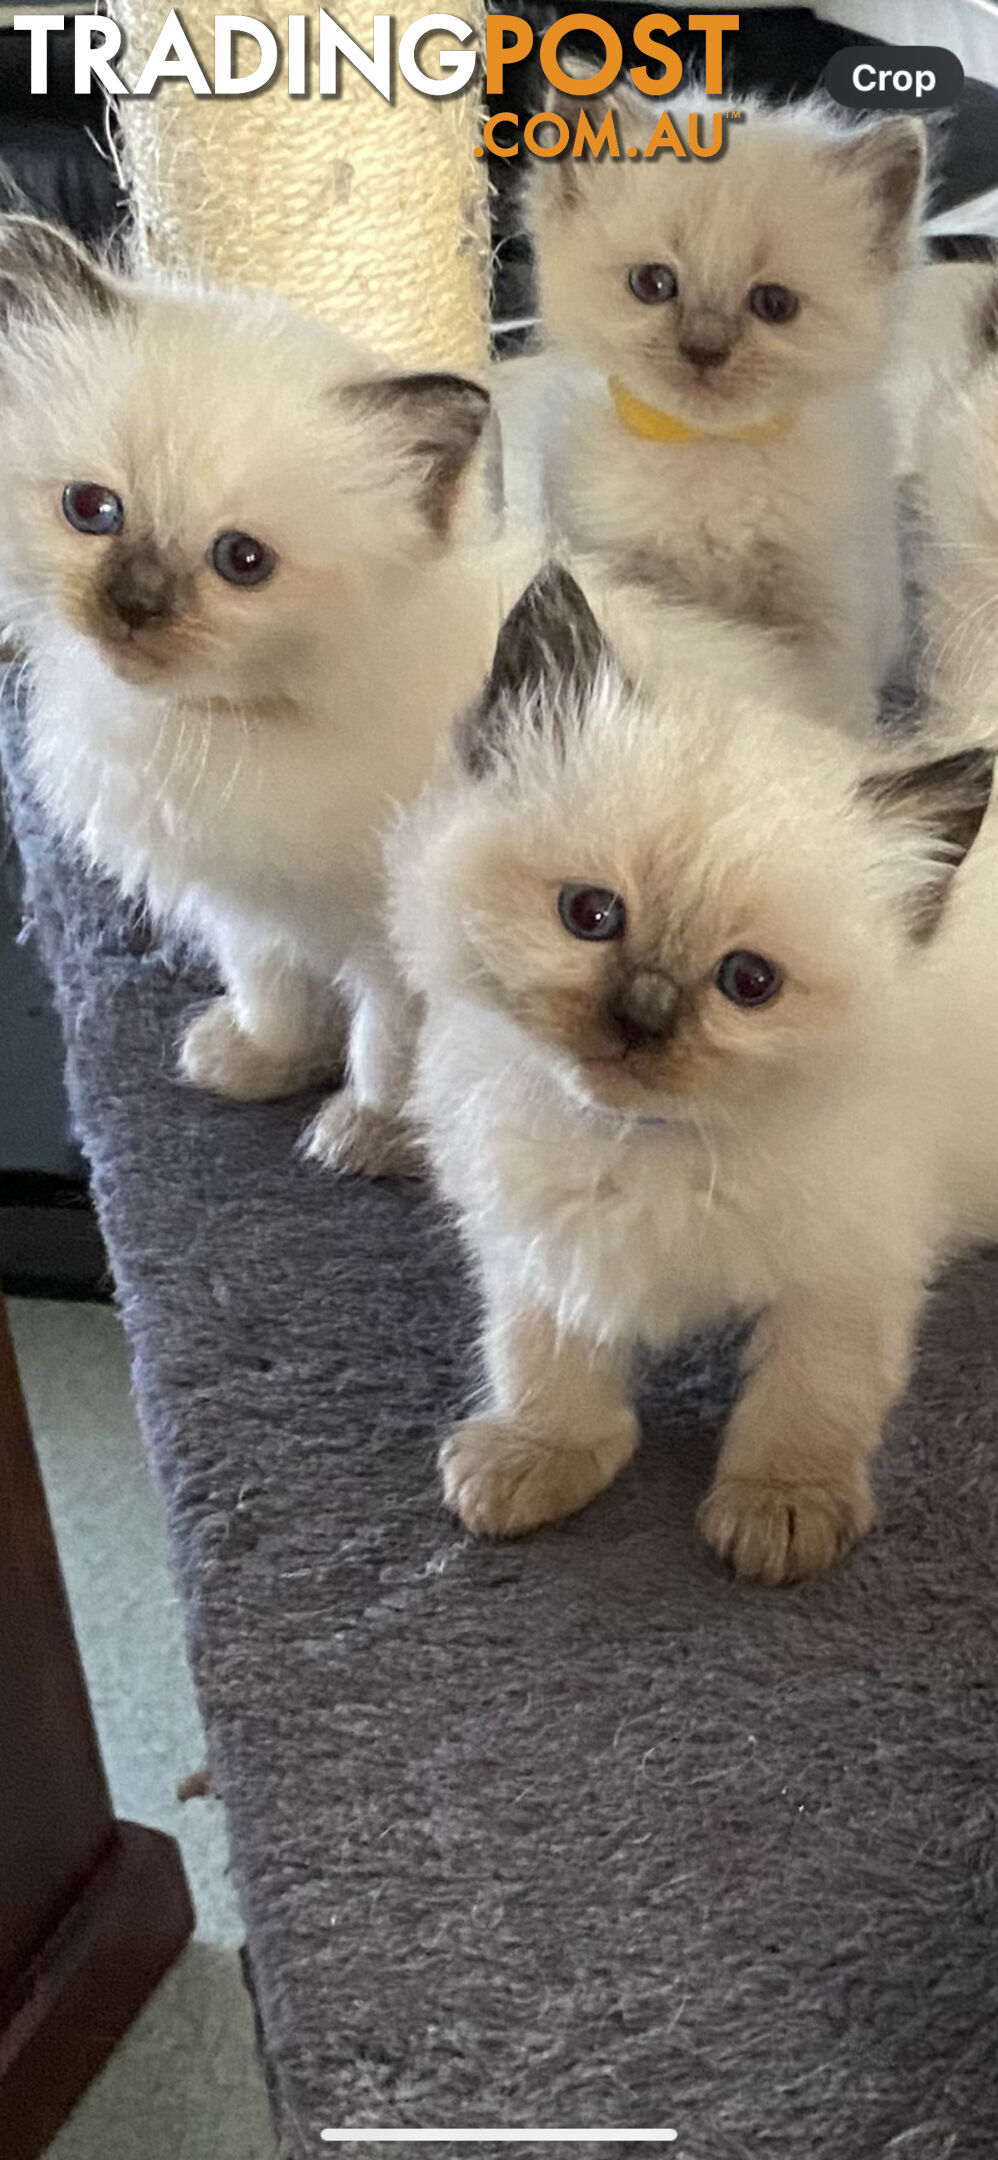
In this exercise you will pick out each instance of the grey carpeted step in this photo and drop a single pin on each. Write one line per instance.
(577, 1832)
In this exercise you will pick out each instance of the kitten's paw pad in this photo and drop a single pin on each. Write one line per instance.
(773, 1531)
(361, 1142)
(217, 1055)
(502, 1480)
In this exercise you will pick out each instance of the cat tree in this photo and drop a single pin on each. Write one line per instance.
(567, 1832)
(371, 215)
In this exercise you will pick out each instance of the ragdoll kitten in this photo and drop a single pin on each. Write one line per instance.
(240, 558)
(712, 1030)
(736, 448)
(958, 475)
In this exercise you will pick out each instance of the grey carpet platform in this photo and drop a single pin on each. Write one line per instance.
(577, 1832)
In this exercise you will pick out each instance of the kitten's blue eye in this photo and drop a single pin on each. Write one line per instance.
(592, 912)
(653, 282)
(241, 560)
(90, 508)
(747, 979)
(773, 303)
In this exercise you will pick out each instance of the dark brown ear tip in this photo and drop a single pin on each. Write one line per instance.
(468, 400)
(437, 419)
(969, 772)
(949, 796)
(972, 770)
(37, 256)
(462, 385)
(414, 386)
(979, 758)
(442, 382)
(553, 586)
(454, 407)
(553, 597)
(550, 649)
(945, 799)
(550, 636)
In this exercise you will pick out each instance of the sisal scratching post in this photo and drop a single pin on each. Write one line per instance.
(372, 216)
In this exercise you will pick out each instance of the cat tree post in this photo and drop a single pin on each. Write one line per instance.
(371, 215)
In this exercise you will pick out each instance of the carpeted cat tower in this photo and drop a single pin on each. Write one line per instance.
(576, 1834)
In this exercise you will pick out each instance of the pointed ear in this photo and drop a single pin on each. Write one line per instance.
(570, 109)
(43, 268)
(550, 648)
(437, 421)
(550, 641)
(944, 803)
(599, 112)
(889, 159)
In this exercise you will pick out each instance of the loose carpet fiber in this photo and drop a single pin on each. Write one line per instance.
(576, 1832)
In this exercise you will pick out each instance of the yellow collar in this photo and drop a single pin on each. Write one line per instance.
(658, 426)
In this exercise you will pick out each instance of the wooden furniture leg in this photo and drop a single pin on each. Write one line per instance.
(92, 1911)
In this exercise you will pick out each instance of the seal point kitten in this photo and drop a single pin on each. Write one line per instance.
(229, 539)
(712, 1030)
(746, 302)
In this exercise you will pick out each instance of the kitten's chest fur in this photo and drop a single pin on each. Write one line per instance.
(272, 812)
(795, 535)
(175, 801)
(643, 1242)
(624, 1232)
(632, 1232)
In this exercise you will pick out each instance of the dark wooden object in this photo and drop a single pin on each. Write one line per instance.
(92, 1911)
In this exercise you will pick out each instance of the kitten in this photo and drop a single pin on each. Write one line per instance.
(744, 303)
(241, 558)
(712, 1030)
(958, 475)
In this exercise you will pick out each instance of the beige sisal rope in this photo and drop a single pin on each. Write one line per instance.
(373, 216)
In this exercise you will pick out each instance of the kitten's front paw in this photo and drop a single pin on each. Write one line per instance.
(216, 1054)
(774, 1531)
(502, 1479)
(359, 1141)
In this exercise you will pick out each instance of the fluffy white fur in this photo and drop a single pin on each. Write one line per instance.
(809, 1163)
(958, 466)
(798, 531)
(235, 759)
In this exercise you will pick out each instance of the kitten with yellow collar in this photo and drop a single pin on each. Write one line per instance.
(711, 1030)
(733, 444)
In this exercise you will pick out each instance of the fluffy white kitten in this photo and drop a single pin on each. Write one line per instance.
(748, 300)
(712, 1030)
(958, 469)
(240, 557)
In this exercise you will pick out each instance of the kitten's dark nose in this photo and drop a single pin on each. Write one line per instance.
(703, 355)
(705, 336)
(139, 586)
(643, 1008)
